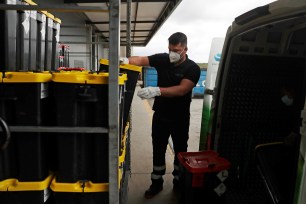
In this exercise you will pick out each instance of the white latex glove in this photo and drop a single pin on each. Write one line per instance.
(124, 60)
(148, 92)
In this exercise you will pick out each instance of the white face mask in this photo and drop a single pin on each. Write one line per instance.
(287, 101)
(174, 56)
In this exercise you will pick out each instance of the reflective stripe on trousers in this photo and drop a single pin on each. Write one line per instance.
(158, 172)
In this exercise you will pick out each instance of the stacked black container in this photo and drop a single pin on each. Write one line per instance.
(24, 101)
(55, 43)
(81, 100)
(132, 72)
(49, 41)
(8, 36)
(23, 39)
(41, 40)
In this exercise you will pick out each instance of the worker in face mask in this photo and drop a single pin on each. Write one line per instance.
(175, 57)
(287, 96)
(177, 76)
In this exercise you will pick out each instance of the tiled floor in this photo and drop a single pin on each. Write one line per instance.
(141, 152)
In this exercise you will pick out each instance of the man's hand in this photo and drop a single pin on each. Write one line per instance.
(124, 60)
(148, 92)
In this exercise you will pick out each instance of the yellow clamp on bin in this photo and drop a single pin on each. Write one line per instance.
(79, 187)
(49, 15)
(123, 66)
(15, 185)
(123, 153)
(44, 12)
(123, 142)
(25, 77)
(58, 20)
(120, 168)
(85, 77)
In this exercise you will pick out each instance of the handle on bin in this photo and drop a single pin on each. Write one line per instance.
(86, 94)
(7, 134)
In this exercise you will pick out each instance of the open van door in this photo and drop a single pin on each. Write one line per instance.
(212, 69)
(257, 103)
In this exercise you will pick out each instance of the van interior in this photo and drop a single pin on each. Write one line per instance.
(258, 100)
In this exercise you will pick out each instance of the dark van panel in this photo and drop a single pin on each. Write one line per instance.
(258, 99)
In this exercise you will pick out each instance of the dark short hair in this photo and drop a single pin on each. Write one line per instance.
(177, 38)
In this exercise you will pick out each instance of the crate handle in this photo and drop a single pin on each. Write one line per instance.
(7, 134)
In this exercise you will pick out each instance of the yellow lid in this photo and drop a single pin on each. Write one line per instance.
(85, 78)
(30, 2)
(79, 187)
(44, 12)
(49, 15)
(25, 77)
(58, 20)
(15, 185)
(123, 66)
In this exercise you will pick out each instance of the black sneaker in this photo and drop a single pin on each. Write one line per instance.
(153, 190)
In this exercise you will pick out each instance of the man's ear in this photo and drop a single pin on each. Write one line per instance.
(186, 48)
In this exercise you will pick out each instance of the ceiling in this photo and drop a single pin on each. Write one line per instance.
(147, 16)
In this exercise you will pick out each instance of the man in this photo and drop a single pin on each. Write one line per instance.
(177, 75)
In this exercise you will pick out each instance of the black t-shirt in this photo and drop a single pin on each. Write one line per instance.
(170, 75)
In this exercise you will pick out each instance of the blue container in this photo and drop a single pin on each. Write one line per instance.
(150, 79)
(149, 76)
(198, 90)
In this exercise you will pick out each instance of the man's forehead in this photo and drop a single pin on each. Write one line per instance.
(177, 46)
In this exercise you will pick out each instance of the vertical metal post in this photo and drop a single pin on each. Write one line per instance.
(128, 28)
(113, 99)
(93, 52)
(90, 46)
(97, 53)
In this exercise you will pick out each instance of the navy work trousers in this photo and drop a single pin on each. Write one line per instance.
(162, 127)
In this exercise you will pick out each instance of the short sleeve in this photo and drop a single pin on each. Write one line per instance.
(159, 60)
(193, 73)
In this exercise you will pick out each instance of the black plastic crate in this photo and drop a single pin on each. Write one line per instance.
(41, 40)
(132, 72)
(81, 100)
(55, 44)
(8, 36)
(23, 39)
(33, 39)
(48, 42)
(24, 101)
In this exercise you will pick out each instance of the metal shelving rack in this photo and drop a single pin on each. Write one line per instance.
(113, 92)
(113, 95)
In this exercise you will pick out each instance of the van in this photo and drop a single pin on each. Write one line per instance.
(258, 105)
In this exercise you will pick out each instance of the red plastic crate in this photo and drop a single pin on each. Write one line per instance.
(199, 163)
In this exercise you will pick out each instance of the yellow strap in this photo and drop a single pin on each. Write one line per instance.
(79, 187)
(15, 185)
